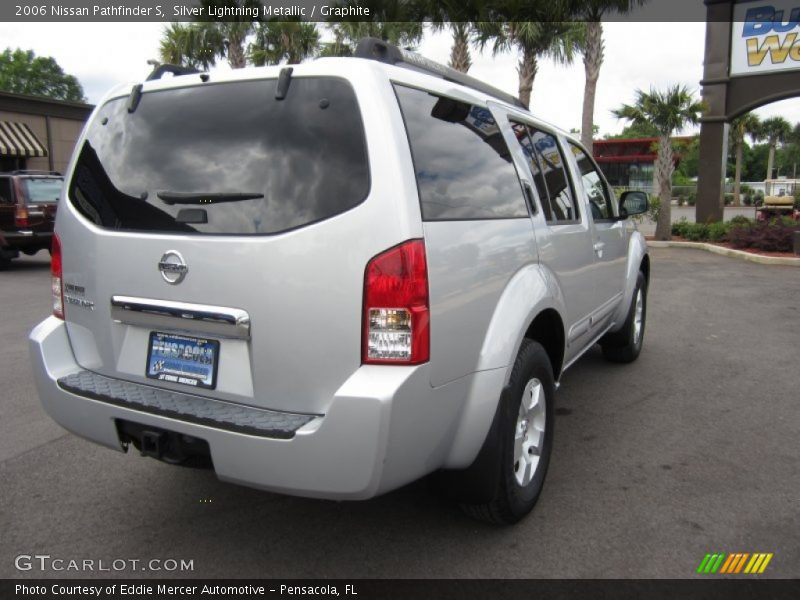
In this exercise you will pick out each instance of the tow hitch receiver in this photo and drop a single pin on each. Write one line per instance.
(152, 444)
(164, 445)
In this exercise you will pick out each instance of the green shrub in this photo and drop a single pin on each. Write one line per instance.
(740, 220)
(717, 232)
(654, 207)
(701, 232)
(680, 227)
(728, 199)
(696, 232)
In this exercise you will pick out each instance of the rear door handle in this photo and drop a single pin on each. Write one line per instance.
(529, 196)
(598, 249)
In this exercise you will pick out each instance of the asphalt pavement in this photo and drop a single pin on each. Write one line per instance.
(694, 448)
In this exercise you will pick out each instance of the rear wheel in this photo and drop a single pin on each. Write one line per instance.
(524, 441)
(5, 259)
(625, 345)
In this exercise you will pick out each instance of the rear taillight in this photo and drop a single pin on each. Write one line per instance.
(57, 284)
(21, 217)
(396, 307)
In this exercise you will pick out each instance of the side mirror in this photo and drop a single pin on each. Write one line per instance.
(632, 203)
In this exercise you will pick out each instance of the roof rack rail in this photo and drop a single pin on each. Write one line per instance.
(34, 172)
(174, 69)
(375, 49)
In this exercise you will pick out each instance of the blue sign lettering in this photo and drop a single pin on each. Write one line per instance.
(764, 19)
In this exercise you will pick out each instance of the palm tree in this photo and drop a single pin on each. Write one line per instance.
(747, 124)
(293, 41)
(190, 45)
(591, 12)
(775, 130)
(199, 44)
(559, 40)
(459, 54)
(347, 34)
(669, 111)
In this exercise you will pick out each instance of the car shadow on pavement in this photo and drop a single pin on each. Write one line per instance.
(39, 261)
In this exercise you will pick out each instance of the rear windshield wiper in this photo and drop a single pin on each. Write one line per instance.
(205, 197)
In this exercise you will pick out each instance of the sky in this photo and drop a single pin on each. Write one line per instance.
(638, 55)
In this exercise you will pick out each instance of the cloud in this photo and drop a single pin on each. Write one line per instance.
(637, 55)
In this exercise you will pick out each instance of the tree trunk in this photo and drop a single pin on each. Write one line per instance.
(236, 55)
(770, 159)
(527, 69)
(737, 178)
(664, 167)
(459, 55)
(592, 60)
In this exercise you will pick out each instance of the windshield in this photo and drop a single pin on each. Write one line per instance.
(42, 189)
(224, 158)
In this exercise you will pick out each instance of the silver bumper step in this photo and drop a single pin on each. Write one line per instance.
(185, 407)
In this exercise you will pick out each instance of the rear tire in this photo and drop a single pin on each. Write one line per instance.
(5, 260)
(624, 346)
(524, 442)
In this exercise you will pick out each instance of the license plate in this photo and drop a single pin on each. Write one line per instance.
(182, 359)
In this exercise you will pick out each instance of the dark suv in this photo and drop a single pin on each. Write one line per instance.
(28, 203)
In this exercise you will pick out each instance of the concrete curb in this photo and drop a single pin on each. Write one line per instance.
(756, 258)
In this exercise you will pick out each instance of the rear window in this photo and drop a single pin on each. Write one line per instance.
(41, 190)
(461, 160)
(224, 159)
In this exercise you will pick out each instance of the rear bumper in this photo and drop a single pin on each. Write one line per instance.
(27, 239)
(339, 455)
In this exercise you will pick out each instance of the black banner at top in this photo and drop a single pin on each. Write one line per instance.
(338, 10)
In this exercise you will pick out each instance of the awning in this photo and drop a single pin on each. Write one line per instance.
(17, 139)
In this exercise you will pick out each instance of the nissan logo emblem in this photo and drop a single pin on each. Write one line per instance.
(172, 266)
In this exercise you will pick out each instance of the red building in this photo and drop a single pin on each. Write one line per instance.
(630, 163)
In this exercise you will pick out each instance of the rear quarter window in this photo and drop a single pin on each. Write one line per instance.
(462, 164)
(224, 158)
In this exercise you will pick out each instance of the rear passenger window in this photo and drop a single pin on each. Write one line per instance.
(600, 201)
(548, 170)
(524, 139)
(461, 160)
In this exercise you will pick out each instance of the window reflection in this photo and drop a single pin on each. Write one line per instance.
(462, 163)
(549, 173)
(307, 157)
(593, 185)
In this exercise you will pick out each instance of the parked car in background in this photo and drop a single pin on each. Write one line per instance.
(28, 204)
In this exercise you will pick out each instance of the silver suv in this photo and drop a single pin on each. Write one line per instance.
(332, 279)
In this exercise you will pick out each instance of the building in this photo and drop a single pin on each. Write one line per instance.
(38, 133)
(630, 163)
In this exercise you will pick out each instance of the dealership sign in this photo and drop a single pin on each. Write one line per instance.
(765, 36)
